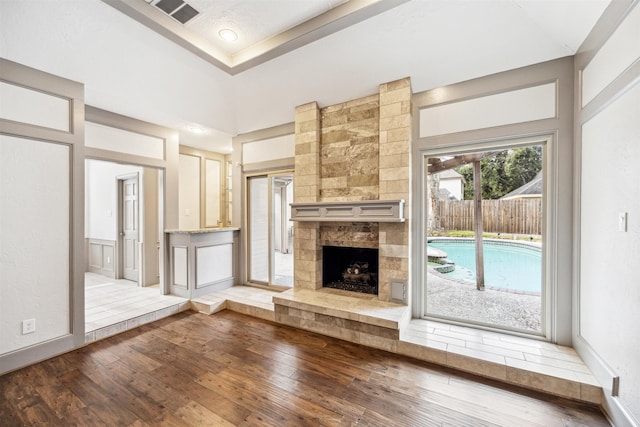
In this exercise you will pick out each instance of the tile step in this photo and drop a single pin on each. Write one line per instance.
(499, 364)
(333, 303)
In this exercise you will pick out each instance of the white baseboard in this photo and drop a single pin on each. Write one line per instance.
(615, 410)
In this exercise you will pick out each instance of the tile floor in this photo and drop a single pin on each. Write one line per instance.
(248, 300)
(283, 264)
(528, 362)
(113, 306)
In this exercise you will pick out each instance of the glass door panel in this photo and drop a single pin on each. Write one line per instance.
(258, 229)
(270, 252)
(484, 239)
(282, 230)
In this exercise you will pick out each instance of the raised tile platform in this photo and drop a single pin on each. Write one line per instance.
(529, 363)
(360, 319)
(115, 306)
(247, 300)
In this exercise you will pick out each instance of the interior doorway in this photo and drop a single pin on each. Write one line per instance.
(270, 237)
(123, 234)
(123, 221)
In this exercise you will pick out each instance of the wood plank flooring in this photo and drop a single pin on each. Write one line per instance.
(229, 369)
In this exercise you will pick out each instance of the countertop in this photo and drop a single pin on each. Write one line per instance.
(201, 230)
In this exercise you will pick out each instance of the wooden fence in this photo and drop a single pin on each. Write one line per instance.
(498, 216)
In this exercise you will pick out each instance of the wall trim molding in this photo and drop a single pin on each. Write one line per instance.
(31, 78)
(101, 266)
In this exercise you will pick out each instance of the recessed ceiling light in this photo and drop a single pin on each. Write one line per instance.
(228, 35)
(195, 129)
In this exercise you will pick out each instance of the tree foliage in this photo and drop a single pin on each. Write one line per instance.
(504, 172)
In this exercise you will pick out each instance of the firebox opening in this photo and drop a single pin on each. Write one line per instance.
(350, 269)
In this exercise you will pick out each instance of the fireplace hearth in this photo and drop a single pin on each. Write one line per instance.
(350, 269)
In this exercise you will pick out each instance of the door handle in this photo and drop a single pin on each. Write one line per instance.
(122, 233)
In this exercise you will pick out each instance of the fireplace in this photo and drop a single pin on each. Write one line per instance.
(350, 269)
(352, 179)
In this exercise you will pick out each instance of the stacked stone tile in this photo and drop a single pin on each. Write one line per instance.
(353, 151)
(395, 167)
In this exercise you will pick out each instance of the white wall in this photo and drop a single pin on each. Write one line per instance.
(609, 288)
(101, 195)
(123, 141)
(620, 51)
(514, 106)
(189, 192)
(142, 71)
(34, 241)
(280, 147)
(608, 335)
(24, 105)
(41, 217)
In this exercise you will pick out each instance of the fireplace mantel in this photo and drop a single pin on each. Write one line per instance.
(359, 211)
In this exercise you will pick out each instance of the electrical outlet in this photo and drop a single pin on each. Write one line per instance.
(398, 291)
(28, 326)
(615, 386)
(622, 221)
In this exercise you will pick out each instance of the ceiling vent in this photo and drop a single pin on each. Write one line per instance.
(177, 9)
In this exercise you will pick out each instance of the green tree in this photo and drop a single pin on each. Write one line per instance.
(522, 165)
(503, 172)
(495, 181)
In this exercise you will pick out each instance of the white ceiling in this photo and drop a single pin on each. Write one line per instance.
(253, 20)
(130, 69)
(265, 29)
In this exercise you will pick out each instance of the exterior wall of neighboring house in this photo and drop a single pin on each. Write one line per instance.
(455, 186)
(530, 190)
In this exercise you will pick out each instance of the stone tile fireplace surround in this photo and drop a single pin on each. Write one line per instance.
(352, 152)
(349, 153)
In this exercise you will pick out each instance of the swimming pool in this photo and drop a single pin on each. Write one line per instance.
(507, 264)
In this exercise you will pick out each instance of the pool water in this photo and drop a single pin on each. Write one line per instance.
(510, 266)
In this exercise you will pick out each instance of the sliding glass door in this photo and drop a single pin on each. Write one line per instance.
(258, 210)
(484, 236)
(270, 239)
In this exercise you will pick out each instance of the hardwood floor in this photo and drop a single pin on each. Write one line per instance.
(229, 369)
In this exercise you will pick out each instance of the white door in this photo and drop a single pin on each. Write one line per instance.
(130, 228)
